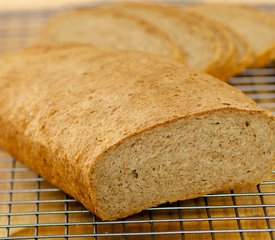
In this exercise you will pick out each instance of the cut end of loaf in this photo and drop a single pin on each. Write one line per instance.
(181, 160)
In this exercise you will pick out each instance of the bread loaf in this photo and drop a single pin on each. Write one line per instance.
(122, 132)
(111, 30)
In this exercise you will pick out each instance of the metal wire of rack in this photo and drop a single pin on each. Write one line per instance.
(30, 208)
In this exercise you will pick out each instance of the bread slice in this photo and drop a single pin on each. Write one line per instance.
(122, 132)
(224, 68)
(202, 46)
(245, 54)
(254, 25)
(111, 30)
(238, 58)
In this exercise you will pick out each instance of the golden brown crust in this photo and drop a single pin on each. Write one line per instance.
(264, 57)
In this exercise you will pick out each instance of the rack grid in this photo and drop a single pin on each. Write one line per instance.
(30, 208)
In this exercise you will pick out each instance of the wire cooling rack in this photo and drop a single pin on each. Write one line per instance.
(30, 208)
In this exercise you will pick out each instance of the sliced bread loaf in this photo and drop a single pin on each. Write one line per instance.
(122, 132)
(109, 29)
(255, 26)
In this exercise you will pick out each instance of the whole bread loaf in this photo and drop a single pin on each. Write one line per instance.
(122, 132)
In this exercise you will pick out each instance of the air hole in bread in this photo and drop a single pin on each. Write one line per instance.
(134, 174)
